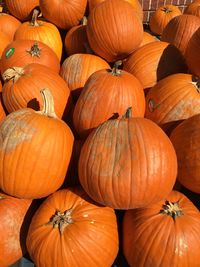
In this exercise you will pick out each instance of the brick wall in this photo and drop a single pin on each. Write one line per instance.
(150, 6)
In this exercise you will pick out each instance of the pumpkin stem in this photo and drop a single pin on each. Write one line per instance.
(61, 219)
(48, 106)
(128, 113)
(13, 73)
(84, 21)
(115, 70)
(34, 22)
(166, 9)
(172, 209)
(34, 51)
(196, 83)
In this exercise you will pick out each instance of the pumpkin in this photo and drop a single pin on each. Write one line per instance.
(9, 24)
(127, 163)
(114, 30)
(148, 38)
(186, 140)
(192, 55)
(4, 41)
(107, 93)
(22, 87)
(64, 14)
(161, 16)
(21, 9)
(173, 99)
(83, 233)
(12, 215)
(163, 234)
(76, 41)
(179, 31)
(19, 53)
(193, 8)
(77, 68)
(135, 3)
(30, 142)
(153, 62)
(40, 30)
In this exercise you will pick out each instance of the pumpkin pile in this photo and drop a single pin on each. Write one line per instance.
(99, 134)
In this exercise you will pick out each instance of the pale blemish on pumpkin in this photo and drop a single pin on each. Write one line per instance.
(14, 131)
(85, 215)
(12, 244)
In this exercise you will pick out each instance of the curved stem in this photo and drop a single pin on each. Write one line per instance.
(128, 113)
(115, 70)
(171, 209)
(84, 21)
(196, 83)
(34, 18)
(13, 73)
(48, 106)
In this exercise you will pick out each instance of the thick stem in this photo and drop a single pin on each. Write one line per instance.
(34, 51)
(128, 113)
(61, 219)
(166, 10)
(34, 22)
(48, 104)
(84, 21)
(13, 73)
(171, 209)
(115, 70)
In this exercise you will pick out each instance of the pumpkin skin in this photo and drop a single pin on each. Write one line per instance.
(114, 30)
(154, 239)
(22, 87)
(135, 3)
(192, 55)
(132, 154)
(77, 68)
(173, 99)
(9, 24)
(193, 8)
(148, 38)
(21, 9)
(12, 215)
(29, 148)
(4, 41)
(162, 16)
(187, 133)
(43, 31)
(90, 235)
(179, 31)
(64, 14)
(22, 52)
(153, 62)
(107, 92)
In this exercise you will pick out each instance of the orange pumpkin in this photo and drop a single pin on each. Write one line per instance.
(13, 231)
(114, 30)
(43, 31)
(161, 16)
(21, 9)
(127, 163)
(9, 24)
(22, 87)
(193, 8)
(107, 92)
(4, 41)
(30, 142)
(186, 140)
(23, 52)
(163, 234)
(179, 31)
(148, 38)
(84, 232)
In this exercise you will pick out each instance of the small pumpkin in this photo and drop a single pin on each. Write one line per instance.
(127, 163)
(84, 232)
(186, 140)
(9, 24)
(19, 53)
(40, 30)
(148, 38)
(163, 234)
(30, 141)
(193, 8)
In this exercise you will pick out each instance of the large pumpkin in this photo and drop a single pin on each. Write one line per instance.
(193, 8)
(35, 150)
(23, 52)
(12, 227)
(107, 93)
(186, 140)
(173, 99)
(64, 14)
(73, 231)
(40, 30)
(9, 24)
(163, 234)
(22, 87)
(114, 29)
(179, 30)
(127, 163)
(154, 61)
(21, 9)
